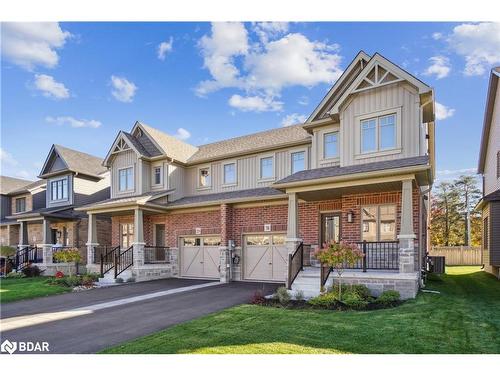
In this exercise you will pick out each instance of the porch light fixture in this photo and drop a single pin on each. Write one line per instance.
(350, 216)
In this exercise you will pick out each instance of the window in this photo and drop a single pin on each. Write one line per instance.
(258, 240)
(378, 134)
(191, 241)
(378, 223)
(157, 175)
(59, 189)
(486, 238)
(126, 179)
(20, 204)
(266, 167)
(298, 161)
(205, 179)
(211, 241)
(331, 145)
(230, 173)
(127, 235)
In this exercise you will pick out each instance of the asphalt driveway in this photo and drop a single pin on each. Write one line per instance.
(87, 322)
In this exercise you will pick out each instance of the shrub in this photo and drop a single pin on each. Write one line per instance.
(71, 255)
(59, 275)
(257, 298)
(15, 275)
(361, 290)
(67, 281)
(299, 295)
(283, 296)
(7, 251)
(389, 298)
(87, 280)
(32, 271)
(354, 301)
(327, 300)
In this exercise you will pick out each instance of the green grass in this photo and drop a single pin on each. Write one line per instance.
(464, 318)
(26, 288)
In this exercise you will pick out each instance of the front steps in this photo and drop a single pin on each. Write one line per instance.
(308, 280)
(109, 277)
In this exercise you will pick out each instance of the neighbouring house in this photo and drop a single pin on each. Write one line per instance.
(489, 168)
(70, 179)
(249, 208)
(18, 195)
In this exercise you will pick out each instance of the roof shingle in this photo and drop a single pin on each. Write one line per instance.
(10, 184)
(81, 162)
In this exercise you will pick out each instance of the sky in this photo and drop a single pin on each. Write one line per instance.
(78, 84)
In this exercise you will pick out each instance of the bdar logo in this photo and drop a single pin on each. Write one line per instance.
(9, 347)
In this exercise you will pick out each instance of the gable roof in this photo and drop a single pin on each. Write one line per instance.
(29, 187)
(488, 116)
(10, 184)
(267, 139)
(75, 161)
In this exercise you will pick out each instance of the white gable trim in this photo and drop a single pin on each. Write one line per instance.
(111, 152)
(53, 151)
(379, 60)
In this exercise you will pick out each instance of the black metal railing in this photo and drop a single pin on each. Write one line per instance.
(295, 264)
(27, 255)
(323, 275)
(100, 250)
(156, 254)
(108, 259)
(380, 255)
(123, 260)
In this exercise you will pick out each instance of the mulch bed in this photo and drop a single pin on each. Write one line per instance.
(338, 306)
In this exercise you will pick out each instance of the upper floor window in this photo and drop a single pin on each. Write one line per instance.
(379, 223)
(331, 145)
(267, 167)
(378, 133)
(59, 189)
(20, 204)
(298, 161)
(157, 175)
(126, 179)
(230, 173)
(205, 179)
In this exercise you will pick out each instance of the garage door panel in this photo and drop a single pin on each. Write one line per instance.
(265, 262)
(257, 259)
(191, 260)
(280, 256)
(198, 260)
(211, 257)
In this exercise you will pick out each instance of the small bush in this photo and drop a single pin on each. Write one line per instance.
(93, 276)
(361, 290)
(327, 300)
(299, 295)
(353, 300)
(257, 298)
(283, 296)
(67, 281)
(87, 280)
(32, 271)
(7, 251)
(15, 275)
(119, 280)
(389, 298)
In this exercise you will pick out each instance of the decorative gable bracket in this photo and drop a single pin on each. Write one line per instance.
(378, 76)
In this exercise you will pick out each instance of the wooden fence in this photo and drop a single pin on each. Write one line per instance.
(458, 255)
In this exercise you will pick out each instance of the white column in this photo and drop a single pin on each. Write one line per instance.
(23, 234)
(92, 238)
(406, 234)
(47, 245)
(138, 243)
(293, 217)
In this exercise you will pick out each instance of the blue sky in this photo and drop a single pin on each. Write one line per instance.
(78, 84)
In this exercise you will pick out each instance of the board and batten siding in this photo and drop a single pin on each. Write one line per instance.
(400, 96)
(176, 180)
(491, 180)
(121, 160)
(88, 191)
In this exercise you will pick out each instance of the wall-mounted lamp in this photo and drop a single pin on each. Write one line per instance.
(350, 216)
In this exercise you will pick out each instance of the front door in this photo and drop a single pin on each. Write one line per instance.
(127, 235)
(160, 242)
(330, 228)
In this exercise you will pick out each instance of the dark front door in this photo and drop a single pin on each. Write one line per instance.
(160, 241)
(53, 236)
(330, 228)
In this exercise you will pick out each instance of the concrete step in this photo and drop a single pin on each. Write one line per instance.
(109, 277)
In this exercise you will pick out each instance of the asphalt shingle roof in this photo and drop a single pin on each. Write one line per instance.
(81, 162)
(10, 184)
(25, 188)
(494, 196)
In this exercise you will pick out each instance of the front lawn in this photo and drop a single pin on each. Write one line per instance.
(464, 318)
(27, 288)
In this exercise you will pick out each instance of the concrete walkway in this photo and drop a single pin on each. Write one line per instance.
(87, 322)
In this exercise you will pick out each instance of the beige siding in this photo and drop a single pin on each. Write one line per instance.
(145, 177)
(123, 160)
(491, 182)
(177, 180)
(88, 191)
(392, 97)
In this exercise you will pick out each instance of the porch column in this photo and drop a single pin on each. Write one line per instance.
(23, 234)
(406, 234)
(138, 243)
(293, 218)
(92, 238)
(47, 246)
(224, 250)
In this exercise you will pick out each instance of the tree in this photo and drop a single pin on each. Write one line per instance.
(470, 195)
(444, 215)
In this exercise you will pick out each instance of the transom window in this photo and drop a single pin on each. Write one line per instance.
(230, 173)
(378, 223)
(157, 175)
(267, 167)
(205, 179)
(331, 145)
(126, 179)
(378, 133)
(21, 204)
(298, 161)
(59, 189)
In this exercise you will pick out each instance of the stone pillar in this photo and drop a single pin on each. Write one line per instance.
(225, 253)
(92, 238)
(47, 246)
(138, 243)
(406, 234)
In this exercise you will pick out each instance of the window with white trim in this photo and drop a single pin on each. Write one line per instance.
(157, 175)
(331, 145)
(205, 179)
(21, 204)
(378, 133)
(378, 223)
(59, 189)
(230, 173)
(267, 167)
(298, 161)
(126, 179)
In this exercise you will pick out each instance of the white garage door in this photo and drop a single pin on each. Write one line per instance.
(200, 257)
(265, 257)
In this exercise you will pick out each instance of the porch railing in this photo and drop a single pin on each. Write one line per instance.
(295, 264)
(156, 254)
(123, 260)
(323, 275)
(108, 259)
(27, 255)
(98, 250)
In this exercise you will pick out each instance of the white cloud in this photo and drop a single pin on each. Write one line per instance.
(440, 67)
(479, 44)
(123, 89)
(6, 158)
(448, 172)
(50, 88)
(73, 122)
(164, 48)
(255, 103)
(29, 44)
(293, 119)
(437, 36)
(263, 68)
(182, 134)
(443, 112)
